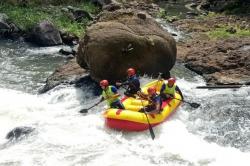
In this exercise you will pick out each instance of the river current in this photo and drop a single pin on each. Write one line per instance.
(215, 134)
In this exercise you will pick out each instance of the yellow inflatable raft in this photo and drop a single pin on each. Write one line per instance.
(131, 119)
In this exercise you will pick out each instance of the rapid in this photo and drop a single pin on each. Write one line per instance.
(215, 134)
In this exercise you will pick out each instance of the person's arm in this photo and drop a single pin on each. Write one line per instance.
(158, 107)
(144, 96)
(125, 83)
(163, 88)
(158, 104)
(114, 90)
(122, 83)
(135, 83)
(102, 98)
(179, 91)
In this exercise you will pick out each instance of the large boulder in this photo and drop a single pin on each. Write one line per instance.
(45, 34)
(123, 39)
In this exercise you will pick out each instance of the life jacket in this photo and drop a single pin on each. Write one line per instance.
(108, 93)
(169, 90)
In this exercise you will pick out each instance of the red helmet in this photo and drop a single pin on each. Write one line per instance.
(104, 83)
(131, 72)
(171, 81)
(151, 90)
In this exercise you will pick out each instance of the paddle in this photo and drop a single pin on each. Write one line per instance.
(151, 131)
(195, 105)
(85, 110)
(150, 128)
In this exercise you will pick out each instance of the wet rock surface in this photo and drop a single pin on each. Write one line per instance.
(220, 61)
(69, 73)
(45, 34)
(19, 132)
(122, 39)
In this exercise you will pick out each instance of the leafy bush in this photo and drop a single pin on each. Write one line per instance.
(26, 17)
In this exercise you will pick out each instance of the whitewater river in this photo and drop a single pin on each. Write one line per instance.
(215, 134)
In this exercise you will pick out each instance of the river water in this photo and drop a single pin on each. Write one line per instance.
(215, 134)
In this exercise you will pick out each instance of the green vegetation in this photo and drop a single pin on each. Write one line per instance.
(163, 14)
(42, 2)
(27, 16)
(241, 7)
(209, 15)
(224, 32)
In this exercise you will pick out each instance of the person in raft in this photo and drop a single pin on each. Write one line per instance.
(110, 94)
(169, 88)
(154, 99)
(132, 83)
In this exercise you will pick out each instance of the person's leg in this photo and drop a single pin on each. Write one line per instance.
(148, 109)
(129, 94)
(120, 105)
(117, 104)
(163, 96)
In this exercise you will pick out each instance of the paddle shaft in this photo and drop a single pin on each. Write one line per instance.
(195, 105)
(219, 86)
(95, 104)
(85, 110)
(150, 128)
(151, 131)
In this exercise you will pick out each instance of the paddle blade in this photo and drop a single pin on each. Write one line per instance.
(84, 111)
(151, 132)
(195, 105)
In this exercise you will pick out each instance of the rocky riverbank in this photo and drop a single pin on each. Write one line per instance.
(218, 49)
(218, 46)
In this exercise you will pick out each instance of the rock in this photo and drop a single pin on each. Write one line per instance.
(221, 5)
(3, 17)
(112, 7)
(67, 51)
(4, 26)
(69, 38)
(205, 4)
(220, 62)
(191, 13)
(142, 15)
(193, 5)
(45, 34)
(79, 14)
(70, 73)
(231, 30)
(19, 132)
(8, 29)
(174, 34)
(101, 2)
(121, 40)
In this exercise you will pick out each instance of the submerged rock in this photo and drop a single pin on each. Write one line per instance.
(19, 132)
